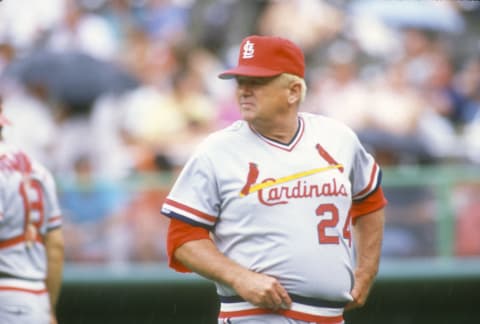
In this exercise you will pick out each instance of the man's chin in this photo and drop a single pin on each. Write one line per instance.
(247, 115)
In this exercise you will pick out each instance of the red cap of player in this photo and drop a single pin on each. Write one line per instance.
(267, 56)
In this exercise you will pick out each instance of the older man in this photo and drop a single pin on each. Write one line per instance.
(273, 207)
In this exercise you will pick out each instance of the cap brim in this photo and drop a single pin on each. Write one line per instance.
(251, 71)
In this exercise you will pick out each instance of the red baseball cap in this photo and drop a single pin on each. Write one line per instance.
(267, 56)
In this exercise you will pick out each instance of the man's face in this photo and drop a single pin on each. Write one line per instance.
(261, 98)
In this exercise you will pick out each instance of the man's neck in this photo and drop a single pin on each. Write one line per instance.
(281, 131)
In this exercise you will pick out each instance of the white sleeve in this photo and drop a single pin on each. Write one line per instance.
(194, 197)
(366, 174)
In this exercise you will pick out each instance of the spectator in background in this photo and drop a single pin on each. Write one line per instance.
(418, 49)
(25, 24)
(7, 55)
(202, 62)
(171, 121)
(71, 127)
(198, 112)
(84, 31)
(308, 23)
(90, 204)
(27, 107)
(392, 96)
(152, 62)
(394, 140)
(441, 91)
(468, 83)
(337, 91)
(122, 18)
(166, 20)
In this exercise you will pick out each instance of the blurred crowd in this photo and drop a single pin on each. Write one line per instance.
(104, 91)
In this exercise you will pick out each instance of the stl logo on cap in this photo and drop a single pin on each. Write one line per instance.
(267, 56)
(248, 50)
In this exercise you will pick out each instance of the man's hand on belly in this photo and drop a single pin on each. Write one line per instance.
(262, 291)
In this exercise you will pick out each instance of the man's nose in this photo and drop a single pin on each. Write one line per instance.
(244, 89)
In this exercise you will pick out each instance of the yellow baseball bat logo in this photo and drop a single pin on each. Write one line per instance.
(271, 183)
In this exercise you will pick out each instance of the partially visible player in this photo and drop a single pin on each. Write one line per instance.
(31, 239)
(283, 210)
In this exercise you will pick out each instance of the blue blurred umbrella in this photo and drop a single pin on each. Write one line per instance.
(426, 15)
(75, 79)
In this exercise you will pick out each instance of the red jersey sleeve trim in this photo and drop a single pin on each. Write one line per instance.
(54, 219)
(180, 233)
(371, 203)
(369, 187)
(191, 210)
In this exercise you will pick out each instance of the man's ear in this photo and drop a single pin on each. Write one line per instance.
(295, 91)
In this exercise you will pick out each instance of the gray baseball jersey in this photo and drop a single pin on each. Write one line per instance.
(28, 209)
(281, 209)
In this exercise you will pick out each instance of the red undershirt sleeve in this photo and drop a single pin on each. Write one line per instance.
(180, 233)
(370, 204)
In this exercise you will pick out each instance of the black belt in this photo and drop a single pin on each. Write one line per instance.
(296, 298)
(4, 275)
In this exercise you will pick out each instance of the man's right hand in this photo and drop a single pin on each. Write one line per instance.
(262, 291)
